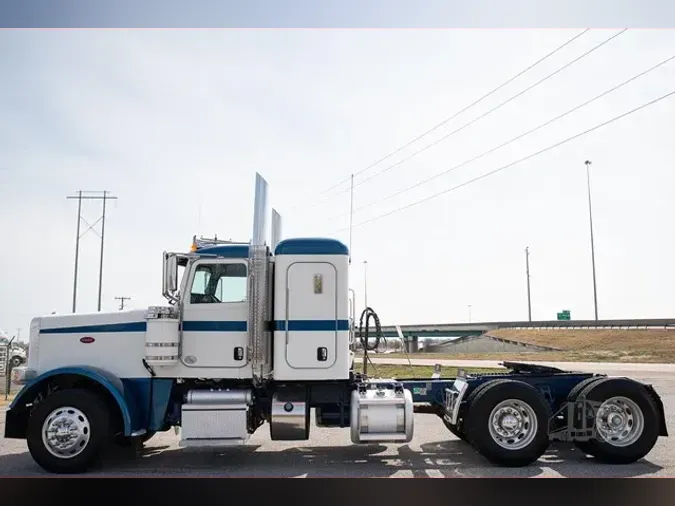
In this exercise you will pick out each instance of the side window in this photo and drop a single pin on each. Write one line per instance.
(201, 280)
(232, 283)
(216, 283)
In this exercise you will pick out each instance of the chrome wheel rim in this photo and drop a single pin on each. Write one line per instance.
(619, 421)
(513, 424)
(66, 432)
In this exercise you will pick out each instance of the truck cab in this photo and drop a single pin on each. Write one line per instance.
(301, 291)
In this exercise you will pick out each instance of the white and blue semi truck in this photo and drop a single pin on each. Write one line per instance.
(261, 333)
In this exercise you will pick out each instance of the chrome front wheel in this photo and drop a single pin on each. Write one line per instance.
(66, 432)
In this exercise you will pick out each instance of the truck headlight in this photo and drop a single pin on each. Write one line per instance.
(21, 374)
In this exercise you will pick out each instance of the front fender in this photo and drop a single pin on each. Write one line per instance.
(104, 378)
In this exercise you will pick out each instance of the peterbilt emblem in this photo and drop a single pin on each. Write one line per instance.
(87, 340)
(318, 283)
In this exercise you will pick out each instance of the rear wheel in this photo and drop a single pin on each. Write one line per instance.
(626, 421)
(68, 430)
(461, 433)
(507, 423)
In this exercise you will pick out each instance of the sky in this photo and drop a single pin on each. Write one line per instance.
(175, 124)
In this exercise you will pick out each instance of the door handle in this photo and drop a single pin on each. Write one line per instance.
(239, 353)
(322, 354)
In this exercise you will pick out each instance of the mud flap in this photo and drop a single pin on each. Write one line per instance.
(663, 429)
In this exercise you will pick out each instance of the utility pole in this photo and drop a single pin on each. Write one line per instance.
(80, 197)
(590, 219)
(351, 217)
(469, 313)
(122, 299)
(77, 246)
(527, 272)
(365, 282)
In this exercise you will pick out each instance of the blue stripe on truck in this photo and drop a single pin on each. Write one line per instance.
(215, 326)
(311, 325)
(205, 326)
(95, 329)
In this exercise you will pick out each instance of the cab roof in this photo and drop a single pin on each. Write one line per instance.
(295, 246)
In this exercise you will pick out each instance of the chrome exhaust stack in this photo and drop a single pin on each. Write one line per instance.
(258, 274)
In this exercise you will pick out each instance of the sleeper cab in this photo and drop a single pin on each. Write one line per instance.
(311, 310)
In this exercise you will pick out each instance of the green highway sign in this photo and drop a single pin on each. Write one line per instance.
(564, 315)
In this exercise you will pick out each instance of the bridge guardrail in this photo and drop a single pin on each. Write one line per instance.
(431, 329)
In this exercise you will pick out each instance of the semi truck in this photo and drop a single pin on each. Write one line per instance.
(262, 334)
(11, 354)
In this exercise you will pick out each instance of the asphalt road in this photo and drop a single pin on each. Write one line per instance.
(433, 452)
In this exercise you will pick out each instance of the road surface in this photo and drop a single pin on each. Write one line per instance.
(433, 452)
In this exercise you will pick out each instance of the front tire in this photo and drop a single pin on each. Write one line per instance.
(15, 362)
(68, 430)
(507, 423)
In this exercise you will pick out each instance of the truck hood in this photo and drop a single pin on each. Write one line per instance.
(92, 322)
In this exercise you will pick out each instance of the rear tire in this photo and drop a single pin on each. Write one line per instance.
(507, 423)
(469, 402)
(68, 430)
(462, 433)
(455, 431)
(626, 421)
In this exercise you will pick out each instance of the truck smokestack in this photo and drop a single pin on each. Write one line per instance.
(260, 211)
(276, 228)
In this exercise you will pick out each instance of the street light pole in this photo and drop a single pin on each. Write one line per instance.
(590, 220)
(469, 313)
(527, 273)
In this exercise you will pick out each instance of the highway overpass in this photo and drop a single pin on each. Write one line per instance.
(443, 330)
(466, 329)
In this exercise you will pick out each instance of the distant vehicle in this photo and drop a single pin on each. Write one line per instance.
(17, 356)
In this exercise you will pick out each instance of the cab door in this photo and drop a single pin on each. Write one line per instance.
(311, 315)
(215, 315)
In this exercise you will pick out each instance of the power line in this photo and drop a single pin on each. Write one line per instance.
(502, 104)
(530, 67)
(105, 197)
(518, 137)
(532, 155)
(122, 299)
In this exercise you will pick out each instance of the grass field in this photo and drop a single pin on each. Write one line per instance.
(416, 371)
(647, 346)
